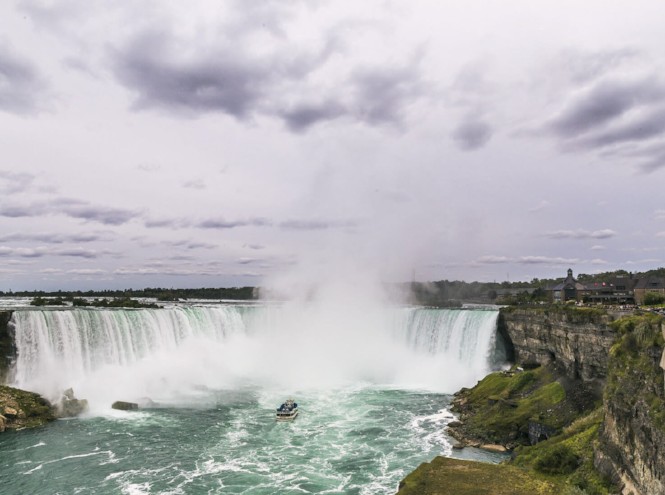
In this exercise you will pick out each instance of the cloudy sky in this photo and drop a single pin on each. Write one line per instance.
(219, 143)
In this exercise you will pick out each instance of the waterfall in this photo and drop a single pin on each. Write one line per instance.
(167, 354)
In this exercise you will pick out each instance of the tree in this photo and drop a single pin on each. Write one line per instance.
(653, 298)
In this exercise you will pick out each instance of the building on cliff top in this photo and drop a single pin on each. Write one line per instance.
(619, 290)
(648, 284)
(568, 290)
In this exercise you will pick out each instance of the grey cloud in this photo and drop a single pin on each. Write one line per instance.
(181, 257)
(17, 211)
(249, 261)
(53, 238)
(77, 253)
(547, 260)
(72, 208)
(216, 81)
(301, 117)
(224, 224)
(87, 271)
(526, 260)
(194, 184)
(101, 214)
(216, 78)
(14, 182)
(174, 223)
(315, 224)
(267, 15)
(604, 103)
(652, 163)
(585, 67)
(382, 94)
(22, 87)
(254, 246)
(647, 157)
(472, 135)
(22, 252)
(581, 234)
(644, 128)
(191, 245)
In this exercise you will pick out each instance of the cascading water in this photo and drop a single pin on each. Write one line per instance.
(137, 353)
(372, 384)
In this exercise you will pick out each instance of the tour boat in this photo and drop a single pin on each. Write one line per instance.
(287, 411)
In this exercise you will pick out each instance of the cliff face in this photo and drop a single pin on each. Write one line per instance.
(577, 341)
(625, 358)
(7, 346)
(632, 440)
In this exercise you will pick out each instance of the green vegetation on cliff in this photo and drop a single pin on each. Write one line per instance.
(568, 458)
(501, 407)
(635, 375)
(571, 313)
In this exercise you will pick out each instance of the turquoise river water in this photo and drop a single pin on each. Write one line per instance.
(371, 409)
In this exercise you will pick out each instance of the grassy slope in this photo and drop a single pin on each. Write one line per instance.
(498, 409)
(444, 475)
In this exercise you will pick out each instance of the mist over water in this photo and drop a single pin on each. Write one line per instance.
(175, 355)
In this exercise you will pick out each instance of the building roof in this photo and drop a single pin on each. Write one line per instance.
(651, 282)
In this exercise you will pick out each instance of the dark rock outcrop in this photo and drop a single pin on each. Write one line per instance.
(124, 406)
(20, 409)
(7, 345)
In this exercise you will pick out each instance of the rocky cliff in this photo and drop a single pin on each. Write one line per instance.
(632, 439)
(7, 346)
(620, 357)
(576, 340)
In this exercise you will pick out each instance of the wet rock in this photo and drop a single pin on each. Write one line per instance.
(124, 406)
(69, 406)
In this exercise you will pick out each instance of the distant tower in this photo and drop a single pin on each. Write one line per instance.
(570, 273)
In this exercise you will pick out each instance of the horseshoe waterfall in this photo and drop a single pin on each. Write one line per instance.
(373, 385)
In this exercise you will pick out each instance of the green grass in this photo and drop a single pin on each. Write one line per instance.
(444, 475)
